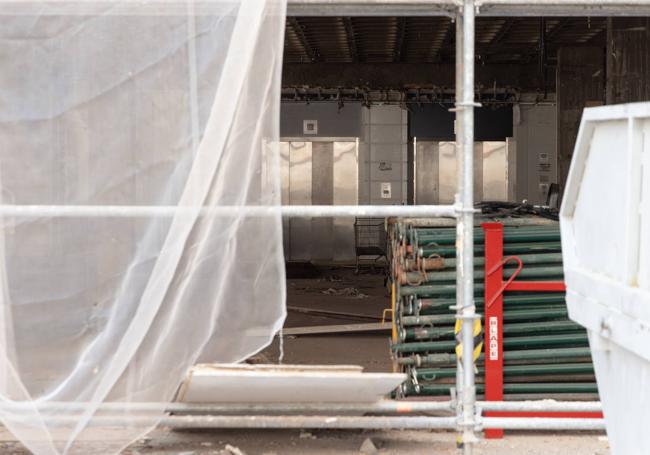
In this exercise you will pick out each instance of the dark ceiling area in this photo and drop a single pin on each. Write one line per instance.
(432, 39)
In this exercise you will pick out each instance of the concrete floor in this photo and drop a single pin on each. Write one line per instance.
(321, 442)
(368, 350)
(310, 290)
(294, 442)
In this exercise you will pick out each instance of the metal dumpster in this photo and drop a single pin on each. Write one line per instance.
(605, 226)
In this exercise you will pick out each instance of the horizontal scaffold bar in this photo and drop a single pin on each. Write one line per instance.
(308, 211)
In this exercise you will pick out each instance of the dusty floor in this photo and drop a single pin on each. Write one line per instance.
(338, 290)
(270, 442)
(295, 442)
(327, 289)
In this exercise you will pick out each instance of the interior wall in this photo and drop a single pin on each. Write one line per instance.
(534, 132)
(332, 121)
(580, 76)
(383, 155)
(628, 59)
(382, 133)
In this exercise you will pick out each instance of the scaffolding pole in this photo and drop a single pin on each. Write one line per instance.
(383, 406)
(459, 178)
(158, 211)
(465, 229)
(331, 422)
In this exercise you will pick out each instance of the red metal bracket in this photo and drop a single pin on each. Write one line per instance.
(493, 344)
(510, 280)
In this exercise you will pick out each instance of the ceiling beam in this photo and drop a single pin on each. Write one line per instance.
(298, 29)
(400, 41)
(450, 33)
(598, 36)
(405, 75)
(503, 31)
(352, 40)
(559, 27)
(499, 37)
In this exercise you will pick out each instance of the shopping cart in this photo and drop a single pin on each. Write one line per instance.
(369, 241)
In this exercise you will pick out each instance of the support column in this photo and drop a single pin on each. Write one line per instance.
(580, 83)
(465, 227)
(628, 59)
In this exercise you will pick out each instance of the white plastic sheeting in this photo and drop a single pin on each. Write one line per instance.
(133, 104)
(605, 222)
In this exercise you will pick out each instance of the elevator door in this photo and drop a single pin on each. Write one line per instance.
(435, 171)
(319, 172)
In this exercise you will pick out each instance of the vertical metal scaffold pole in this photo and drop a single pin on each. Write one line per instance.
(459, 178)
(465, 231)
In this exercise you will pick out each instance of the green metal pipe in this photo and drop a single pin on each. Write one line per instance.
(509, 300)
(447, 232)
(529, 354)
(514, 237)
(566, 340)
(526, 259)
(506, 229)
(508, 316)
(439, 289)
(479, 249)
(527, 272)
(432, 374)
(480, 308)
(516, 388)
(526, 328)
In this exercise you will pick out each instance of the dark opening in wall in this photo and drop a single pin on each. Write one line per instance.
(435, 121)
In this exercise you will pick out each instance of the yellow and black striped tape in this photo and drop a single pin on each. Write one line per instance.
(478, 339)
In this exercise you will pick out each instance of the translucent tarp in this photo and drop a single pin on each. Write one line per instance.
(113, 108)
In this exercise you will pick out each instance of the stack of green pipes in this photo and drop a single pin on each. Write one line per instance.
(546, 355)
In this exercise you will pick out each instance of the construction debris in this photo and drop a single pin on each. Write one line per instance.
(368, 447)
(234, 450)
(346, 292)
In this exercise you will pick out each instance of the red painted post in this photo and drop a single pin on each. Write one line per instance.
(493, 317)
(495, 286)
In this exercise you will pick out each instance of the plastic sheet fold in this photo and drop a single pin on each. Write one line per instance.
(135, 105)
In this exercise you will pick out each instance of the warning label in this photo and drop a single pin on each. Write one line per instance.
(493, 332)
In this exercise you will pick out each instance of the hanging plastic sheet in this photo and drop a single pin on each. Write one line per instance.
(122, 108)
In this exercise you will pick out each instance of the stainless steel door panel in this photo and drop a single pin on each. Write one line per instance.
(300, 173)
(322, 190)
(284, 179)
(446, 172)
(495, 171)
(426, 172)
(346, 192)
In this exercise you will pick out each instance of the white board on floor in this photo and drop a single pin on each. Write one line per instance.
(241, 383)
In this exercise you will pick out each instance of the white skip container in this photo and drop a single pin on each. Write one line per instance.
(605, 225)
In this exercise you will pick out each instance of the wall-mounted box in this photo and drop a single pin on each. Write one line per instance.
(310, 127)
